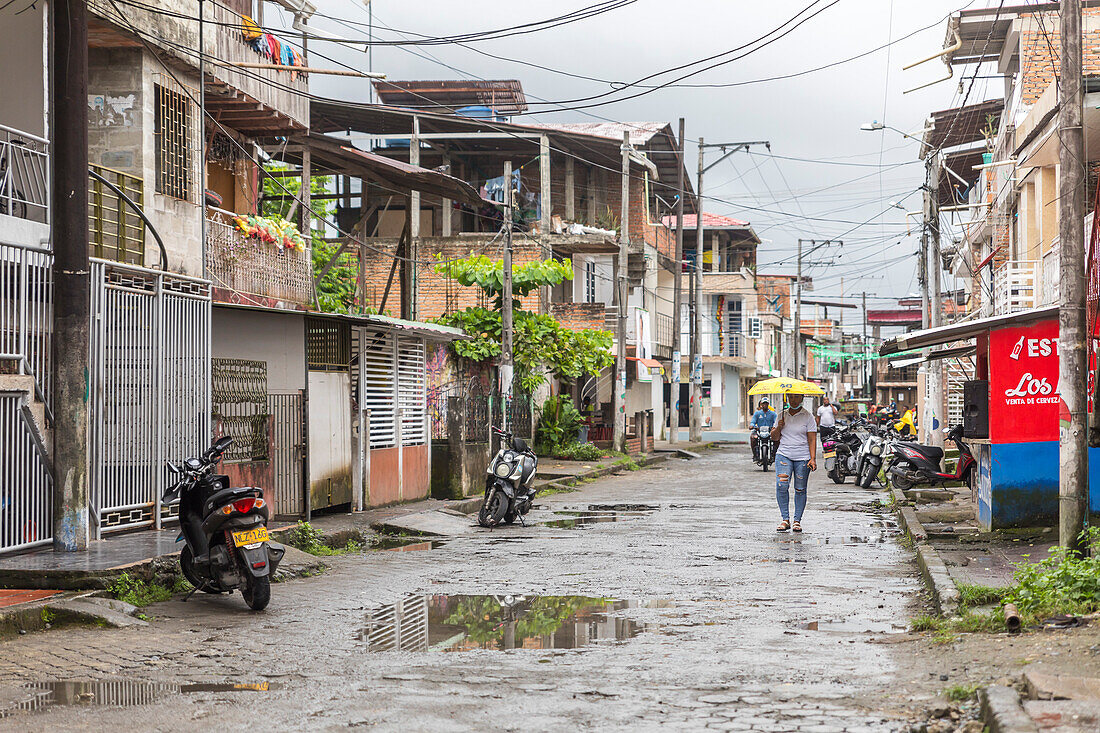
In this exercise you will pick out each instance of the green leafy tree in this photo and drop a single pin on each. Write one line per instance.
(540, 344)
(336, 291)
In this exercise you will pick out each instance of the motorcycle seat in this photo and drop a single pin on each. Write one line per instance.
(931, 452)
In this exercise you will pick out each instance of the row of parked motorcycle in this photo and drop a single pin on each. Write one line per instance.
(862, 449)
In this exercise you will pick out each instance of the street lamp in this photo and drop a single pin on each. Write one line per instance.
(877, 126)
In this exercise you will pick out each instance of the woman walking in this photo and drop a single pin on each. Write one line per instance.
(796, 433)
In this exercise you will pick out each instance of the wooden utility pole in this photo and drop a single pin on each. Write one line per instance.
(1073, 365)
(506, 361)
(619, 402)
(677, 295)
(695, 419)
(71, 275)
(798, 316)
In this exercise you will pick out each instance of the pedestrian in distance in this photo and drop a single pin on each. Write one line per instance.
(796, 433)
(826, 418)
(764, 417)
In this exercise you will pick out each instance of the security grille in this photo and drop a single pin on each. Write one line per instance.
(411, 391)
(26, 491)
(400, 626)
(115, 231)
(755, 327)
(378, 384)
(150, 389)
(175, 129)
(328, 345)
(287, 451)
(239, 400)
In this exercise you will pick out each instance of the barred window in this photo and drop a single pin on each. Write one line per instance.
(174, 127)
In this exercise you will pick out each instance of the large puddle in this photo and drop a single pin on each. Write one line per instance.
(456, 623)
(598, 514)
(113, 693)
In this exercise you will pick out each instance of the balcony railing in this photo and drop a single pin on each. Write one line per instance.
(662, 344)
(24, 175)
(249, 267)
(115, 231)
(1050, 273)
(1014, 286)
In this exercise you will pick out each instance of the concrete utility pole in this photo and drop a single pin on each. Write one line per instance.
(798, 316)
(866, 362)
(1073, 364)
(695, 419)
(619, 403)
(71, 275)
(506, 363)
(677, 294)
(934, 369)
(413, 245)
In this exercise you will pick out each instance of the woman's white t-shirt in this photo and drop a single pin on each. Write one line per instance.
(793, 443)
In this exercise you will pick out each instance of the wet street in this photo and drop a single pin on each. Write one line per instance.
(662, 597)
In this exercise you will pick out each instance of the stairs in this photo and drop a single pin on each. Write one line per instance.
(34, 411)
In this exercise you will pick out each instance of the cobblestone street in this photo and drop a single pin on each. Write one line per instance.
(719, 622)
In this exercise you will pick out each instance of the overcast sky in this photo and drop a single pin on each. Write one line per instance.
(813, 116)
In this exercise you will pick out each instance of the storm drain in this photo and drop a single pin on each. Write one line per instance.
(459, 623)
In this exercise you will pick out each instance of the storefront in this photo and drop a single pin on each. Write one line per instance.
(1011, 414)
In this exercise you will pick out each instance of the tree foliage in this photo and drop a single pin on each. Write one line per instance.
(336, 291)
(540, 344)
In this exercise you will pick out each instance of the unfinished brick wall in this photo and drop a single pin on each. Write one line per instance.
(579, 316)
(767, 288)
(1040, 53)
(437, 295)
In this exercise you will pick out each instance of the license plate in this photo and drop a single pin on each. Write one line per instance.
(830, 454)
(251, 536)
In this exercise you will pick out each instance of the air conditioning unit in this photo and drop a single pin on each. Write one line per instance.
(754, 327)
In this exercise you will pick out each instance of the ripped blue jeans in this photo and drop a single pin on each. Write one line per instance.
(784, 469)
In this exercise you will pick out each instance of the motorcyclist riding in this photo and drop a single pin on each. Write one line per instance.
(763, 418)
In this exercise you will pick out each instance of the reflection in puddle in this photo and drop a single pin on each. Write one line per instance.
(850, 626)
(466, 622)
(598, 514)
(406, 544)
(115, 693)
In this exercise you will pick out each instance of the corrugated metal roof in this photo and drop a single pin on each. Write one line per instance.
(640, 132)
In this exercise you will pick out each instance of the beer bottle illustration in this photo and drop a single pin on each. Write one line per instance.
(1015, 355)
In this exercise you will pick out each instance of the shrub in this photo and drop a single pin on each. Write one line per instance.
(559, 421)
(579, 452)
(137, 592)
(1061, 583)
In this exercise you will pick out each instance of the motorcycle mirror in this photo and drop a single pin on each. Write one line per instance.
(172, 467)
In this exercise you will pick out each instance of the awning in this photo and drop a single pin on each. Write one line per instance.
(964, 330)
(951, 353)
(430, 331)
(654, 366)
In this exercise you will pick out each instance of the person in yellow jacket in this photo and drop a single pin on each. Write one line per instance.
(906, 426)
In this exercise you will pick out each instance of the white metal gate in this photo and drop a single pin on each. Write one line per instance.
(150, 388)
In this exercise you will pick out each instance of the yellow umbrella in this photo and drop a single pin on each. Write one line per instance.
(783, 385)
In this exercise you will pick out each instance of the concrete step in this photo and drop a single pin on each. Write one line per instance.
(24, 383)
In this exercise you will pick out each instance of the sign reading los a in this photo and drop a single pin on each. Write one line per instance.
(1023, 383)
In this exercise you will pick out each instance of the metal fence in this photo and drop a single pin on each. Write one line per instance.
(400, 626)
(26, 491)
(477, 413)
(239, 401)
(288, 451)
(24, 175)
(26, 315)
(150, 389)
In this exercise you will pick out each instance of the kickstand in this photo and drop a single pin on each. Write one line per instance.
(187, 597)
(522, 522)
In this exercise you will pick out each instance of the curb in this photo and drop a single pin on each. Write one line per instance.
(945, 595)
(1003, 712)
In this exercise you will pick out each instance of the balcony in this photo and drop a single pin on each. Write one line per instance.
(1049, 275)
(115, 231)
(24, 188)
(246, 270)
(1014, 286)
(662, 344)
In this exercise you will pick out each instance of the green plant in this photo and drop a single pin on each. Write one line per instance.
(308, 538)
(974, 622)
(628, 463)
(1061, 583)
(47, 616)
(971, 595)
(559, 421)
(138, 592)
(579, 452)
(607, 219)
(960, 693)
(943, 637)
(926, 622)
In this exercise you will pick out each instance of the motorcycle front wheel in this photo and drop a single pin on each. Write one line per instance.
(256, 591)
(836, 476)
(868, 476)
(493, 509)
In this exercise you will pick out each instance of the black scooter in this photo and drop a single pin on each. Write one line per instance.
(225, 529)
(765, 447)
(509, 482)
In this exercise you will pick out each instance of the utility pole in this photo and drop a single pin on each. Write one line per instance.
(71, 275)
(1073, 365)
(506, 362)
(677, 294)
(695, 419)
(925, 299)
(934, 369)
(798, 316)
(619, 402)
(866, 362)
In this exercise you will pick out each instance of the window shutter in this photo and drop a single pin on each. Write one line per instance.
(754, 327)
(377, 383)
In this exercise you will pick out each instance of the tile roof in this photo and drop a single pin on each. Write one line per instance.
(710, 221)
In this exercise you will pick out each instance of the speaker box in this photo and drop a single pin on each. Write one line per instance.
(976, 409)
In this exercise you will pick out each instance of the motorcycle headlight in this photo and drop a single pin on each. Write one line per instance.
(502, 469)
(876, 450)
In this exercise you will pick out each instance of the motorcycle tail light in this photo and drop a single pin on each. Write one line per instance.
(244, 505)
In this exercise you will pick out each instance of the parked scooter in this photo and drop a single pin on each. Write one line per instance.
(840, 451)
(225, 530)
(916, 464)
(869, 459)
(509, 482)
(765, 447)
